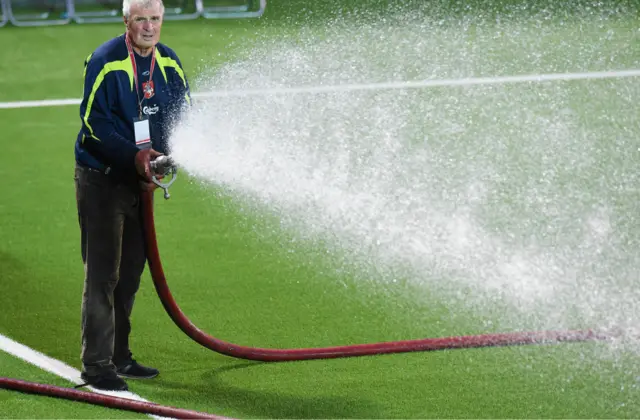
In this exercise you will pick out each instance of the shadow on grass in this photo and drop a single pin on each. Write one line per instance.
(254, 403)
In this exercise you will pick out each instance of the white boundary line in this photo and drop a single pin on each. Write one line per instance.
(58, 368)
(41, 103)
(418, 84)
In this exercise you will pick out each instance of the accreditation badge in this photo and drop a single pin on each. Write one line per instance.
(142, 132)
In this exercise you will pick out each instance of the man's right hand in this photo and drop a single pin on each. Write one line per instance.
(143, 160)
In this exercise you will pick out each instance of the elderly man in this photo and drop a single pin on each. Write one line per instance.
(134, 86)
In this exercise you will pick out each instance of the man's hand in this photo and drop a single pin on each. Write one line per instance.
(142, 162)
(150, 186)
(147, 186)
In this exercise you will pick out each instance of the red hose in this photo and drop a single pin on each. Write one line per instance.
(103, 400)
(275, 355)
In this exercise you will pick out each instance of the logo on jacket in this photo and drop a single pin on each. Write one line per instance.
(150, 110)
(147, 88)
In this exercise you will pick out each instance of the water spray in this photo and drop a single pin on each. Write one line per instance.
(165, 166)
(401, 346)
(332, 137)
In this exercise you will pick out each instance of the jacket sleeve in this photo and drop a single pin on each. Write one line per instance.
(100, 136)
(182, 82)
(180, 101)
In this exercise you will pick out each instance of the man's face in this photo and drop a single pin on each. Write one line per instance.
(144, 24)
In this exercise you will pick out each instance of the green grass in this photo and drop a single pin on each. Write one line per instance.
(33, 73)
(234, 274)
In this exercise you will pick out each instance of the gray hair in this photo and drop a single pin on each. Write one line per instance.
(126, 5)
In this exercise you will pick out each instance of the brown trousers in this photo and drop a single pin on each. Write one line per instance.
(113, 253)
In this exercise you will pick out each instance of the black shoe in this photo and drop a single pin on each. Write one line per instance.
(107, 380)
(134, 370)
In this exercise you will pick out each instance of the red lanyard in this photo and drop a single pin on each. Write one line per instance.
(135, 71)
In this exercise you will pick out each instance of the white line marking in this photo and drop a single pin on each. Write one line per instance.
(58, 368)
(417, 84)
(41, 103)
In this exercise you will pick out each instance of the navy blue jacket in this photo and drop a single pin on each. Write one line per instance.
(109, 105)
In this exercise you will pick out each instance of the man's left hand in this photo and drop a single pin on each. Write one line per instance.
(147, 186)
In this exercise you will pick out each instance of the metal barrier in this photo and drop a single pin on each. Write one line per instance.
(4, 16)
(60, 12)
(95, 11)
(232, 10)
(181, 10)
(175, 10)
(38, 12)
(111, 11)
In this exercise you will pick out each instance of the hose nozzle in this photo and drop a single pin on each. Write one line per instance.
(163, 166)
